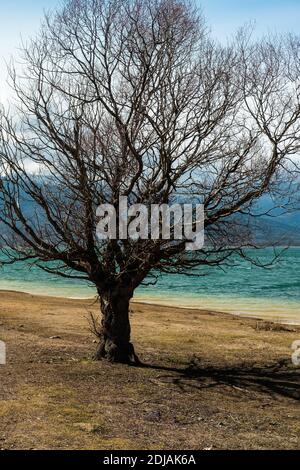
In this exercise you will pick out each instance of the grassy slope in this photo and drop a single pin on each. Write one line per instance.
(214, 381)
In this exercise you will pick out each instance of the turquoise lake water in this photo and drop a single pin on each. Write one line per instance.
(242, 289)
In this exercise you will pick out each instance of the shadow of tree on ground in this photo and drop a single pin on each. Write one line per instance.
(275, 379)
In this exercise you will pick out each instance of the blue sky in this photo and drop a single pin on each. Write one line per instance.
(21, 18)
(225, 16)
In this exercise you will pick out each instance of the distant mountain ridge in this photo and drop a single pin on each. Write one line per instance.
(281, 225)
(279, 228)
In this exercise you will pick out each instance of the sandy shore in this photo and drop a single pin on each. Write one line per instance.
(270, 310)
(212, 380)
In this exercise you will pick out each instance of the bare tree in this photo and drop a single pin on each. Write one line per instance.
(133, 98)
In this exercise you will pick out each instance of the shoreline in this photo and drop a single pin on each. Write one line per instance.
(159, 302)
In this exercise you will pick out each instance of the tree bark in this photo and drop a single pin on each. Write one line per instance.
(115, 345)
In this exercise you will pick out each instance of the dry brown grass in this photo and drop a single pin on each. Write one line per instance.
(273, 326)
(211, 380)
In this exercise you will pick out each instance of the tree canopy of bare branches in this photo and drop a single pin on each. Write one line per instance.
(134, 98)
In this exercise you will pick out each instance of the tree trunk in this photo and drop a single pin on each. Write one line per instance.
(115, 345)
